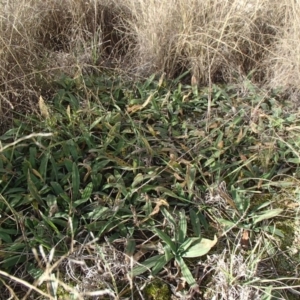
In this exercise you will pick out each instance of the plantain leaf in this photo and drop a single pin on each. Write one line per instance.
(186, 273)
(168, 216)
(113, 132)
(268, 214)
(87, 192)
(44, 165)
(5, 237)
(51, 224)
(190, 177)
(168, 253)
(57, 188)
(147, 265)
(75, 181)
(160, 263)
(161, 189)
(188, 243)
(195, 221)
(32, 189)
(166, 239)
(182, 227)
(137, 179)
(200, 248)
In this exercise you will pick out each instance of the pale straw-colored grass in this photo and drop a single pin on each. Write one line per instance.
(217, 40)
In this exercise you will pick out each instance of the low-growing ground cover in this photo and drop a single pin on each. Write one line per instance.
(119, 184)
(115, 189)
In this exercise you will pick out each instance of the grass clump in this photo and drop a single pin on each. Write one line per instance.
(218, 41)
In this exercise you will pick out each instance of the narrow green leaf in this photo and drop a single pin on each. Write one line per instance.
(186, 273)
(96, 180)
(74, 101)
(113, 132)
(294, 160)
(195, 221)
(98, 213)
(54, 169)
(51, 224)
(79, 202)
(147, 207)
(201, 248)
(75, 224)
(160, 263)
(267, 293)
(182, 227)
(188, 243)
(15, 190)
(34, 271)
(32, 189)
(14, 260)
(265, 204)
(190, 177)
(53, 286)
(130, 246)
(168, 216)
(168, 253)
(107, 226)
(148, 82)
(267, 215)
(273, 230)
(60, 222)
(226, 223)
(281, 184)
(147, 145)
(87, 192)
(166, 239)
(32, 156)
(68, 164)
(57, 188)
(209, 162)
(5, 237)
(96, 122)
(146, 265)
(137, 179)
(11, 231)
(44, 165)
(168, 192)
(75, 181)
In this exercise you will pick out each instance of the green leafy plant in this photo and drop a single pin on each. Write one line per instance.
(177, 247)
(113, 160)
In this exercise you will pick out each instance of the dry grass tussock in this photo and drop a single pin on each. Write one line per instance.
(219, 41)
(40, 41)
